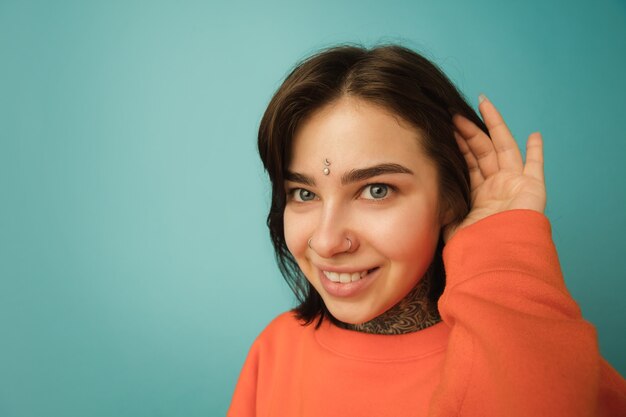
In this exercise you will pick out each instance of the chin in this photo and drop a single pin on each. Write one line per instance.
(350, 316)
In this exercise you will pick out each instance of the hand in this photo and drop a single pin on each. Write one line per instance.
(499, 178)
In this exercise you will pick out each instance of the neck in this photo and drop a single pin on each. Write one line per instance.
(413, 313)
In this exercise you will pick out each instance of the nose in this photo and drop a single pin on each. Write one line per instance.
(333, 234)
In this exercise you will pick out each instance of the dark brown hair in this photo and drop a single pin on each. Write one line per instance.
(394, 77)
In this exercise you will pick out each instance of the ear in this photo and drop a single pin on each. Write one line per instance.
(446, 216)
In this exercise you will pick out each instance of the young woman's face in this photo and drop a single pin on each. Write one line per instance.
(373, 220)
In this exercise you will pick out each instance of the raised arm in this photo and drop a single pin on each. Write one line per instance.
(519, 345)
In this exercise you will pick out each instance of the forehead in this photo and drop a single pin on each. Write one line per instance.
(355, 132)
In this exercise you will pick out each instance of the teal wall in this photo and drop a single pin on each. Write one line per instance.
(135, 266)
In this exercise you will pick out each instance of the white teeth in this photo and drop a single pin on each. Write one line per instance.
(333, 276)
(344, 277)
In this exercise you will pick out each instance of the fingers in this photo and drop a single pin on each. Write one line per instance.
(506, 149)
(479, 146)
(534, 156)
(476, 177)
(486, 156)
(491, 154)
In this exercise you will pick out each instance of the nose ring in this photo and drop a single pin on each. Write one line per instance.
(348, 239)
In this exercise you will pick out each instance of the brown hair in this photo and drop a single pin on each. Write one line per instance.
(394, 77)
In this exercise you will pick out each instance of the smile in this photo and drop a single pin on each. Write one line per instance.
(345, 277)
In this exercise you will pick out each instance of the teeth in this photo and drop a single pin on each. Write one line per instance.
(344, 277)
(333, 276)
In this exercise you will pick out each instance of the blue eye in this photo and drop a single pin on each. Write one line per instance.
(301, 194)
(375, 191)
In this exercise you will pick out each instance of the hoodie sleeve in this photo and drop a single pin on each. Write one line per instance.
(519, 345)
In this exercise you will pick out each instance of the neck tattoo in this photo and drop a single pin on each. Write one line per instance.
(414, 312)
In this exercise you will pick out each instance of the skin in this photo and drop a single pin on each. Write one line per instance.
(414, 312)
(393, 228)
(500, 180)
(397, 233)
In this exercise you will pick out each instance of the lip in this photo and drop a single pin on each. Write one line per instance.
(349, 289)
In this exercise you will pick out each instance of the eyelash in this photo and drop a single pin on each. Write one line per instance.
(291, 193)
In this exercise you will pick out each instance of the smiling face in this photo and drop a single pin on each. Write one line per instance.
(372, 220)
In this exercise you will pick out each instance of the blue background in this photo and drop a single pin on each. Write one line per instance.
(135, 265)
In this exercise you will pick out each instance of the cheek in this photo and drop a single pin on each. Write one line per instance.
(296, 233)
(408, 233)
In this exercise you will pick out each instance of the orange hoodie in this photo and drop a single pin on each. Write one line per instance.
(512, 343)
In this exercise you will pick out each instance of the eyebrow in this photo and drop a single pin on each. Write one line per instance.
(354, 175)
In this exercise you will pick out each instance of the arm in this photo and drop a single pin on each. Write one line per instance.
(519, 345)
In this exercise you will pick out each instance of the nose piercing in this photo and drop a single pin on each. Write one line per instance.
(327, 164)
(348, 239)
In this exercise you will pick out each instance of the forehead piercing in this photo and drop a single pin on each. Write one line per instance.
(327, 164)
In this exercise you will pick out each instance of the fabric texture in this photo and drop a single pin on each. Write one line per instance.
(512, 342)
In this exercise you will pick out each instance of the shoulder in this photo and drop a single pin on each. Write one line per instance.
(271, 358)
(283, 328)
(286, 321)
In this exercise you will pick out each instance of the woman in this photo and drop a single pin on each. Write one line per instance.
(376, 162)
